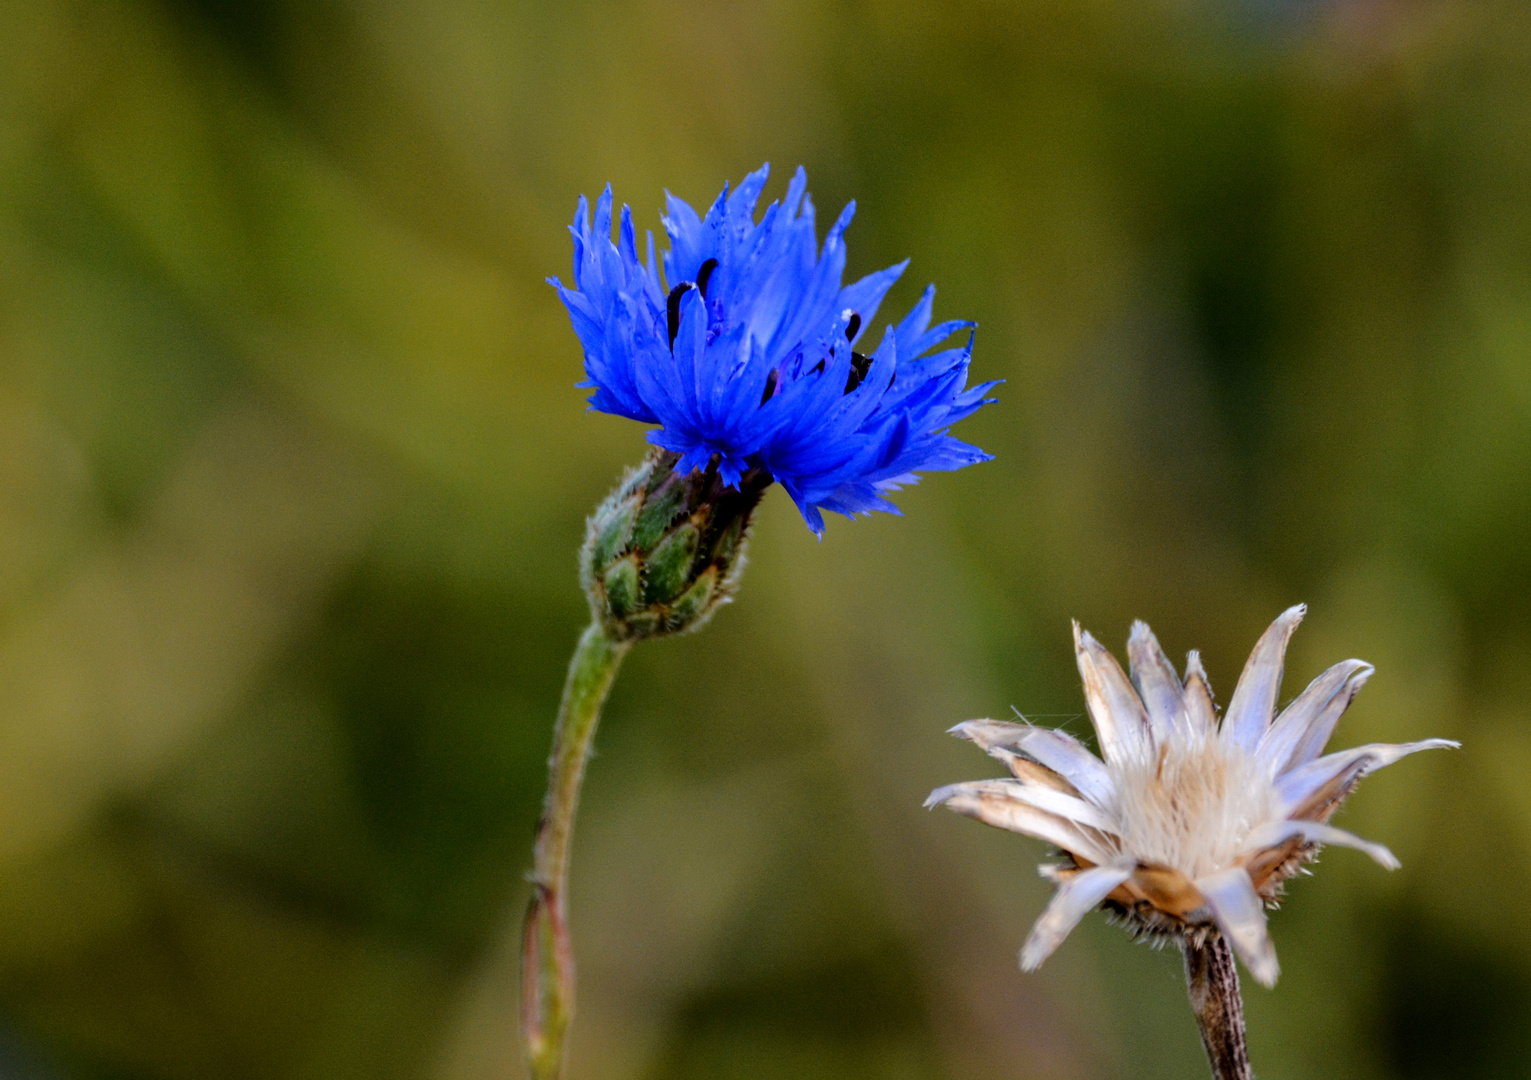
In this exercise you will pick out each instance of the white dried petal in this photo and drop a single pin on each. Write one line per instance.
(1275, 833)
(1121, 721)
(1254, 699)
(998, 807)
(1069, 904)
(1304, 726)
(1332, 774)
(1240, 915)
(1198, 697)
(1156, 681)
(1058, 750)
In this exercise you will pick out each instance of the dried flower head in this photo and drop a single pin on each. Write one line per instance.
(1188, 827)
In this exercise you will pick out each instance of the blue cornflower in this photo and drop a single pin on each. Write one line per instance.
(744, 352)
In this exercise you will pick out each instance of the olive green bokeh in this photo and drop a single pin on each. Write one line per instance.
(293, 475)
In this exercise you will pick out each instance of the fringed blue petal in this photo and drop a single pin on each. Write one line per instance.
(749, 362)
(864, 297)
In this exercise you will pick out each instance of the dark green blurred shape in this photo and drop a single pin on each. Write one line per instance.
(292, 475)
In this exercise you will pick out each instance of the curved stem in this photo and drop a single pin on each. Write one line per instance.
(1213, 983)
(547, 953)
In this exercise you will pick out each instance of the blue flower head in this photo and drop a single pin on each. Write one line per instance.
(744, 352)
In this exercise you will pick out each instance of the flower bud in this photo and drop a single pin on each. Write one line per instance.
(665, 550)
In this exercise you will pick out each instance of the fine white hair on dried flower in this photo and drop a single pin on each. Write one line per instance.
(1188, 827)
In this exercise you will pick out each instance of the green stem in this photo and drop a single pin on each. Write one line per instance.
(547, 953)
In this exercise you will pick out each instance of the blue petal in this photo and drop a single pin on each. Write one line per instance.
(864, 297)
(758, 372)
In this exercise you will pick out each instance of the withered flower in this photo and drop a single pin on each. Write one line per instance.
(1188, 828)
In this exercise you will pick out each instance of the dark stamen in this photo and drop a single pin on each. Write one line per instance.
(672, 309)
(860, 365)
(771, 383)
(704, 275)
(852, 326)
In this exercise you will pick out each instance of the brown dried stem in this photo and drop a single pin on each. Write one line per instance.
(1213, 984)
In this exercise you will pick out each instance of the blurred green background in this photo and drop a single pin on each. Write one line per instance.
(292, 473)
